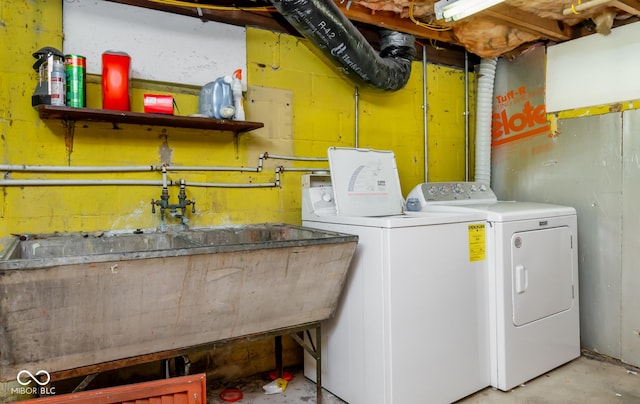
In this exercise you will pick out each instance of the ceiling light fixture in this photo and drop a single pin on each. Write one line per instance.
(450, 10)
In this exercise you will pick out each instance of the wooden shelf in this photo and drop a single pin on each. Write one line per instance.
(138, 118)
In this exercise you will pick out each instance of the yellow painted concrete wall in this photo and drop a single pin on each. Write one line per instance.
(324, 108)
(305, 104)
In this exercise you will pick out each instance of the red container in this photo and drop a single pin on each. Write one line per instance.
(115, 81)
(158, 104)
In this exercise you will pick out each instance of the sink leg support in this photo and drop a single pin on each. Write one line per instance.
(278, 348)
(318, 364)
(85, 382)
(181, 366)
(315, 350)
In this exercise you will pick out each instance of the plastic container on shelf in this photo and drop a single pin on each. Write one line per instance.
(58, 83)
(116, 67)
(51, 77)
(75, 67)
(238, 101)
(216, 99)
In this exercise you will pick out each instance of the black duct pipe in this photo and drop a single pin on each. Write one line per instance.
(322, 23)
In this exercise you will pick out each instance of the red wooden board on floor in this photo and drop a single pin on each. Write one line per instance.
(178, 390)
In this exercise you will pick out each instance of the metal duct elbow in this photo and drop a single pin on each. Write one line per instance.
(322, 23)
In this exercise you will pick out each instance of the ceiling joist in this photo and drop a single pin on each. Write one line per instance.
(527, 22)
(628, 6)
(390, 20)
(540, 20)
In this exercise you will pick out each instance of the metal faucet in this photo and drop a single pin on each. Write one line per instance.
(176, 210)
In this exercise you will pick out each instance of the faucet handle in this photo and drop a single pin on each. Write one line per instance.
(193, 206)
(153, 205)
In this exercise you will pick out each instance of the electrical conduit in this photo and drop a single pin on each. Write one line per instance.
(425, 117)
(466, 115)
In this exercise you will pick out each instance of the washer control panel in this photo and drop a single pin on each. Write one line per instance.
(317, 196)
(452, 193)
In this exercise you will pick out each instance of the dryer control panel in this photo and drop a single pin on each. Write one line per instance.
(452, 193)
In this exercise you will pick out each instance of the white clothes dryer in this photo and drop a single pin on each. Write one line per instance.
(413, 316)
(533, 278)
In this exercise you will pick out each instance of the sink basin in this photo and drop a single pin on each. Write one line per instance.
(76, 245)
(73, 300)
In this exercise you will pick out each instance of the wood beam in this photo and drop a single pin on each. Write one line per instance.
(629, 6)
(528, 22)
(267, 20)
(452, 54)
(390, 20)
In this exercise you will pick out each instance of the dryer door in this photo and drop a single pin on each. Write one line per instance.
(542, 268)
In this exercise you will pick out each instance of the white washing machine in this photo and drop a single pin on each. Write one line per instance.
(412, 321)
(533, 278)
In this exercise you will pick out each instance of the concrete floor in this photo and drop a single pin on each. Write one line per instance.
(582, 381)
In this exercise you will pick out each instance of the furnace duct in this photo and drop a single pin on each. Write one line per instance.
(322, 23)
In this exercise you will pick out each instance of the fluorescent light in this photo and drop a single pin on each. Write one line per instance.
(460, 9)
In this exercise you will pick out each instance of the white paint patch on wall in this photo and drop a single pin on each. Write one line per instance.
(163, 46)
(594, 70)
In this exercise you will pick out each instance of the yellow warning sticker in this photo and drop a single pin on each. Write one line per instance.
(477, 247)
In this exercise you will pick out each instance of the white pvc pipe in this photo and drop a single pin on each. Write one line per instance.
(305, 169)
(77, 169)
(224, 185)
(486, 78)
(117, 169)
(21, 183)
(279, 157)
(197, 168)
(123, 169)
(164, 177)
(164, 168)
(356, 112)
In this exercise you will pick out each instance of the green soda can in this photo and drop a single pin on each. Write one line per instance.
(76, 71)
